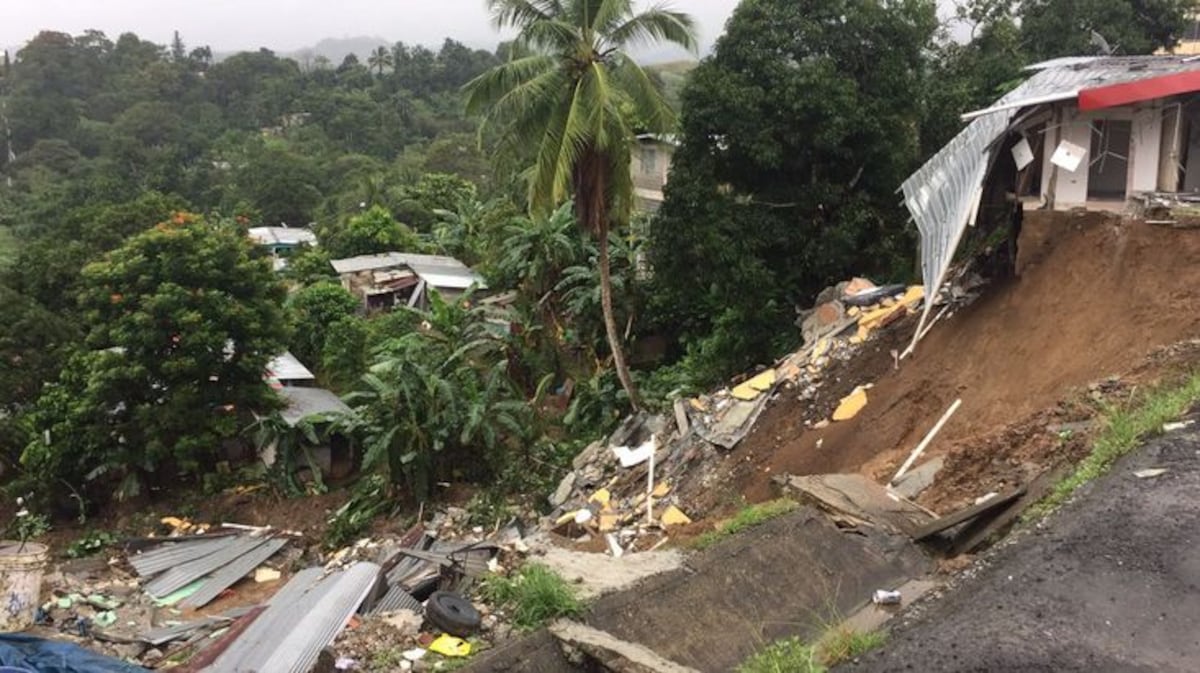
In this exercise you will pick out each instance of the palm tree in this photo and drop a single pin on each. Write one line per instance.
(379, 59)
(569, 93)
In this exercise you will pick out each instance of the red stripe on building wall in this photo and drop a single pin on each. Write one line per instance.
(1141, 90)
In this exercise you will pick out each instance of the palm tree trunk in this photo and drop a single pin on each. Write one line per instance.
(591, 206)
(610, 321)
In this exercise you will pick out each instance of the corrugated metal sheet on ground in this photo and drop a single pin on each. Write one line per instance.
(185, 574)
(229, 574)
(166, 634)
(170, 555)
(303, 618)
(397, 599)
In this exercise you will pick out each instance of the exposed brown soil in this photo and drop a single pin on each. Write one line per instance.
(1094, 297)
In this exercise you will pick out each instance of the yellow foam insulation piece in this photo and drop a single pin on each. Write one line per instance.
(673, 516)
(608, 521)
(851, 405)
(566, 518)
(661, 490)
(753, 387)
(602, 496)
(820, 348)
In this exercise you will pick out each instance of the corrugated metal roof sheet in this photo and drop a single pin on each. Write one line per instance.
(302, 402)
(186, 573)
(943, 194)
(397, 599)
(282, 235)
(229, 574)
(172, 554)
(303, 618)
(287, 367)
(447, 270)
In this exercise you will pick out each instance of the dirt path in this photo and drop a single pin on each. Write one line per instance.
(1109, 583)
(1095, 295)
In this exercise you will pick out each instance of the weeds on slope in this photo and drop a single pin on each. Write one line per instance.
(1125, 426)
(792, 655)
(747, 517)
(534, 596)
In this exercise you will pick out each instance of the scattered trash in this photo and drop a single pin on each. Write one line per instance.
(886, 597)
(345, 664)
(1150, 473)
(415, 654)
(450, 646)
(1172, 427)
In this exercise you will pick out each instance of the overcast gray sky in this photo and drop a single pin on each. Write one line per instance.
(284, 25)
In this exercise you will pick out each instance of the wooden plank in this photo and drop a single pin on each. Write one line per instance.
(966, 514)
(860, 498)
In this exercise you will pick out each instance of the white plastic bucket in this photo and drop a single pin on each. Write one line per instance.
(21, 569)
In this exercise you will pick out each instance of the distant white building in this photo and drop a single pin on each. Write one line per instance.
(282, 242)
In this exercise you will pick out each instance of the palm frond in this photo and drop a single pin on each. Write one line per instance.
(643, 94)
(518, 13)
(658, 24)
(609, 14)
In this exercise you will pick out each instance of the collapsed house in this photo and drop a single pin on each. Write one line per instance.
(1101, 133)
(391, 279)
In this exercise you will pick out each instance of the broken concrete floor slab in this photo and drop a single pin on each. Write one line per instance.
(597, 574)
(861, 499)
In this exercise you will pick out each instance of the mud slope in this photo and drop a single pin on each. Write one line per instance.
(1094, 295)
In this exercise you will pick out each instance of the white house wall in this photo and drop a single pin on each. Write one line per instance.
(1070, 189)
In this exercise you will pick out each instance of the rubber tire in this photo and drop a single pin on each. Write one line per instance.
(452, 613)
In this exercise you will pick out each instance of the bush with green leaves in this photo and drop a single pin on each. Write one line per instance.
(90, 543)
(437, 401)
(311, 310)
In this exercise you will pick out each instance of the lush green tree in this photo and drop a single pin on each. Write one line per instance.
(311, 311)
(795, 135)
(344, 353)
(284, 186)
(181, 322)
(32, 341)
(420, 202)
(1052, 28)
(379, 59)
(569, 99)
(369, 232)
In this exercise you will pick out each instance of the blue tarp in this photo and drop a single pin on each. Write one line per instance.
(51, 656)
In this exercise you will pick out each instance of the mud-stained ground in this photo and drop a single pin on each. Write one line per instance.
(1096, 296)
(1111, 582)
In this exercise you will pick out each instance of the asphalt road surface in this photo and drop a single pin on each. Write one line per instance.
(1111, 582)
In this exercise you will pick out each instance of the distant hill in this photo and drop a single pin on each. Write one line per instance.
(337, 48)
(673, 75)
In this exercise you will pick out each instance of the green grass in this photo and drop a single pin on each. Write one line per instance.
(748, 517)
(534, 596)
(841, 644)
(789, 655)
(1124, 428)
(793, 655)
